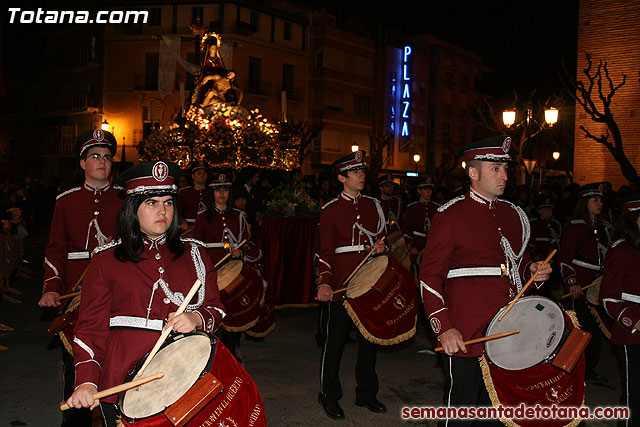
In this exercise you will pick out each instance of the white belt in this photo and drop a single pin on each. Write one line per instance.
(419, 234)
(631, 297)
(214, 245)
(590, 266)
(136, 322)
(474, 271)
(345, 249)
(190, 220)
(79, 255)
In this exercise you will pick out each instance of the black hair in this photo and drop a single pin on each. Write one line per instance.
(627, 228)
(582, 209)
(211, 203)
(132, 238)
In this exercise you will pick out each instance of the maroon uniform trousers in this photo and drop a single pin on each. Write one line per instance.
(348, 227)
(461, 280)
(620, 296)
(83, 219)
(417, 222)
(191, 201)
(125, 304)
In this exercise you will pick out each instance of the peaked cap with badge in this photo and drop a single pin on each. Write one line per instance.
(96, 138)
(150, 178)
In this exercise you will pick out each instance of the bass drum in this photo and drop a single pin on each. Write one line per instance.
(241, 289)
(202, 383)
(382, 301)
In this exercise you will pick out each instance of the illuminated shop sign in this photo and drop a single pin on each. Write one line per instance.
(405, 97)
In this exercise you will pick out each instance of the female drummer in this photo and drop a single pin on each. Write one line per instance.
(620, 296)
(222, 228)
(584, 242)
(134, 286)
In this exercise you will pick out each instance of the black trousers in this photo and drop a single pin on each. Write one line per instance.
(338, 326)
(109, 414)
(72, 417)
(464, 386)
(629, 358)
(230, 340)
(588, 323)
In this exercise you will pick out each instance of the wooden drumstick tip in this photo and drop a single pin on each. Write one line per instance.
(487, 338)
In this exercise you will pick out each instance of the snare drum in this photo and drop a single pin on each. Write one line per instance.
(202, 382)
(382, 302)
(542, 328)
(241, 289)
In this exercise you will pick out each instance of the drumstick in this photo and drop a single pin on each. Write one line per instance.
(355, 270)
(120, 388)
(348, 288)
(166, 331)
(71, 295)
(584, 288)
(229, 254)
(487, 338)
(525, 287)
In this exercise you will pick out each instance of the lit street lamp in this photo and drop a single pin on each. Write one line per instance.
(416, 159)
(355, 147)
(105, 125)
(556, 155)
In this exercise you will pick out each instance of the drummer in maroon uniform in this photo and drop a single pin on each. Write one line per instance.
(474, 263)
(222, 228)
(417, 219)
(620, 296)
(83, 219)
(193, 199)
(545, 231)
(350, 225)
(391, 205)
(135, 284)
(584, 242)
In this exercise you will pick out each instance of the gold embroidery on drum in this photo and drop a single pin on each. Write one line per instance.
(403, 314)
(233, 389)
(543, 384)
(387, 298)
(558, 397)
(399, 302)
(257, 410)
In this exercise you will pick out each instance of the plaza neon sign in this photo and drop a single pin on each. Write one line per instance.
(406, 93)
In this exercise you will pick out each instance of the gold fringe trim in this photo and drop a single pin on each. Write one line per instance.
(493, 394)
(574, 318)
(119, 422)
(600, 323)
(262, 334)
(376, 340)
(240, 328)
(311, 304)
(66, 343)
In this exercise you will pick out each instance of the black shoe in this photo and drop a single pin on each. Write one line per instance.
(373, 404)
(332, 409)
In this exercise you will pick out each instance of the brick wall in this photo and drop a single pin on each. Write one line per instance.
(609, 30)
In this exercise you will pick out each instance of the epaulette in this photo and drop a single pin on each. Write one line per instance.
(578, 221)
(329, 202)
(617, 242)
(184, 188)
(72, 190)
(437, 204)
(413, 203)
(191, 240)
(450, 203)
(106, 246)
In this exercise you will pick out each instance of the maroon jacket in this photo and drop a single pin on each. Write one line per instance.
(192, 201)
(582, 249)
(83, 219)
(228, 226)
(545, 236)
(113, 333)
(619, 287)
(348, 226)
(393, 215)
(417, 222)
(466, 234)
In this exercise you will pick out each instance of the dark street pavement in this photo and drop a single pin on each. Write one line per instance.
(285, 367)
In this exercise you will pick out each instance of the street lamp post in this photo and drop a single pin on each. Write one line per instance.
(530, 127)
(416, 159)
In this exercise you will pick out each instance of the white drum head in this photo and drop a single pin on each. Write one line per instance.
(541, 323)
(182, 363)
(367, 276)
(228, 273)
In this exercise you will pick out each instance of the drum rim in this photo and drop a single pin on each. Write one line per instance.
(371, 259)
(173, 337)
(552, 354)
